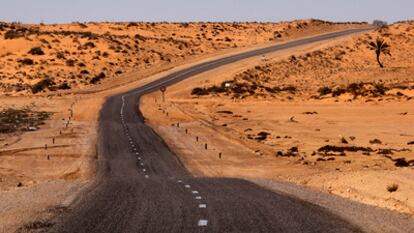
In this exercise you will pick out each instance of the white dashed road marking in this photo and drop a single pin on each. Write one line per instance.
(202, 223)
(126, 131)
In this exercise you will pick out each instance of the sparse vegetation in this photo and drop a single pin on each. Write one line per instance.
(41, 85)
(329, 148)
(262, 136)
(88, 45)
(291, 152)
(38, 225)
(26, 61)
(392, 188)
(70, 62)
(380, 23)
(84, 72)
(13, 120)
(385, 151)
(129, 50)
(98, 78)
(225, 112)
(60, 55)
(375, 141)
(64, 86)
(324, 91)
(241, 89)
(12, 34)
(357, 90)
(36, 51)
(401, 162)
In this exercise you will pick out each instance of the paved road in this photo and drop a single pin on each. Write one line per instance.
(141, 186)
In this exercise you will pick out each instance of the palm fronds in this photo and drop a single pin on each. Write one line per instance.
(380, 47)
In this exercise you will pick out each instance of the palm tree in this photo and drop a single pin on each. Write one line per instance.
(380, 46)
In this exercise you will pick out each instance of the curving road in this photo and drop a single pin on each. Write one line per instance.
(141, 186)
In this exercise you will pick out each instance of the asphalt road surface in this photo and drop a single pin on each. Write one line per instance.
(141, 186)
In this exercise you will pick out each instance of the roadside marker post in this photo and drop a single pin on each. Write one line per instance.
(163, 89)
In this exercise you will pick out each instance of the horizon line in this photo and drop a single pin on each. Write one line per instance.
(201, 21)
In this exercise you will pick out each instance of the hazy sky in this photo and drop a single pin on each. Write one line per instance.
(57, 11)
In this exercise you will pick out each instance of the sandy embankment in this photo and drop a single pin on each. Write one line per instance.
(231, 128)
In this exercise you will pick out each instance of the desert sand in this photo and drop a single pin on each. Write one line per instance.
(324, 116)
(65, 72)
(38, 58)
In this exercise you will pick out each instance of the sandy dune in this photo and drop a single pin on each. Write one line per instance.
(324, 116)
(36, 58)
